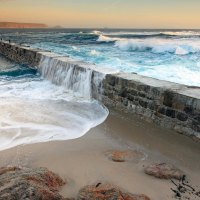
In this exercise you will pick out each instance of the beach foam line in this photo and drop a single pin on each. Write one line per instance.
(34, 110)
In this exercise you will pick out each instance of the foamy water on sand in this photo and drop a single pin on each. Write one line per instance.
(35, 110)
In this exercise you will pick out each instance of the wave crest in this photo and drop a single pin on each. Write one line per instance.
(103, 38)
(159, 46)
(155, 45)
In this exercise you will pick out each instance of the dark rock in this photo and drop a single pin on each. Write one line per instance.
(107, 192)
(164, 171)
(29, 184)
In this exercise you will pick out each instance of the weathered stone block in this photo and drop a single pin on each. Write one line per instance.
(168, 98)
(110, 80)
(162, 110)
(189, 110)
(144, 88)
(170, 113)
(125, 102)
(152, 105)
(133, 92)
(130, 97)
(182, 116)
(142, 94)
(143, 103)
(123, 92)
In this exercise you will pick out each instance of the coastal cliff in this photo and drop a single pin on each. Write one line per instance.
(21, 25)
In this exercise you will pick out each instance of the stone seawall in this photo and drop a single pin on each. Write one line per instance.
(20, 54)
(167, 104)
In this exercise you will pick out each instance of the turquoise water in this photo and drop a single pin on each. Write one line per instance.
(172, 55)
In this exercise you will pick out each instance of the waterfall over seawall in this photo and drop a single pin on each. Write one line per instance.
(34, 109)
(82, 81)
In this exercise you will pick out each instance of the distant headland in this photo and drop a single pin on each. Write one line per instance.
(21, 25)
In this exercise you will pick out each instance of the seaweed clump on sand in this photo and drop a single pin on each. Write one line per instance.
(29, 184)
(183, 190)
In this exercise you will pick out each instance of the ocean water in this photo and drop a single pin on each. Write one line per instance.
(34, 109)
(54, 102)
(172, 55)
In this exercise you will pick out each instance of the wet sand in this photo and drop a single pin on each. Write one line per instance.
(82, 161)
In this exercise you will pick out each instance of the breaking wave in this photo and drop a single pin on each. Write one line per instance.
(155, 45)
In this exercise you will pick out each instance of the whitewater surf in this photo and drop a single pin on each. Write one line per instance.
(35, 110)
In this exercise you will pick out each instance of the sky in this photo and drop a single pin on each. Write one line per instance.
(104, 13)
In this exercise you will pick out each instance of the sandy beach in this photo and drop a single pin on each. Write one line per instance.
(83, 161)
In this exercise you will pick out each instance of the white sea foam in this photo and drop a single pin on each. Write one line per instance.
(137, 33)
(181, 51)
(140, 54)
(34, 110)
(96, 32)
(149, 33)
(175, 46)
(173, 73)
(181, 33)
(156, 45)
(94, 52)
(103, 38)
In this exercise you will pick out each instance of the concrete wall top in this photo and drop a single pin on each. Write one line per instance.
(190, 91)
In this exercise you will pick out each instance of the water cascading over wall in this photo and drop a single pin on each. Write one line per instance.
(83, 82)
(167, 104)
